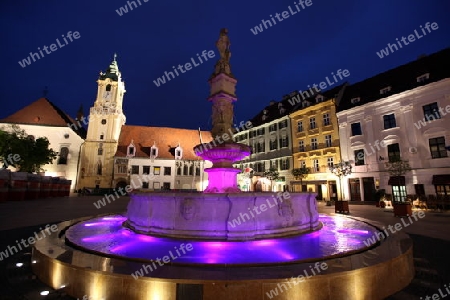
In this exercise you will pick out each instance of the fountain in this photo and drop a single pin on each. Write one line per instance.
(222, 243)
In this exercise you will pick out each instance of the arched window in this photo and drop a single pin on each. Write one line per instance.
(63, 154)
(108, 88)
(185, 170)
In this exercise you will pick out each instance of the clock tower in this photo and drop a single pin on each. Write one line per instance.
(104, 125)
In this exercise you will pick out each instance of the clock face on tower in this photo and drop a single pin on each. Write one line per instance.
(107, 95)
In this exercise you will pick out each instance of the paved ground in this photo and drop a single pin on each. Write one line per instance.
(431, 237)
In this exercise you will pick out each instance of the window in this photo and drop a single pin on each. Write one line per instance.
(326, 119)
(122, 169)
(273, 144)
(156, 170)
(99, 168)
(145, 185)
(100, 151)
(63, 154)
(299, 126)
(316, 165)
(284, 142)
(134, 169)
(355, 100)
(146, 170)
(178, 152)
(260, 147)
(389, 121)
(394, 152)
(156, 185)
(167, 171)
(191, 170)
(330, 162)
(328, 140)
(301, 146)
(153, 151)
(131, 151)
(385, 90)
(185, 170)
(312, 123)
(260, 131)
(273, 127)
(437, 147)
(197, 171)
(108, 88)
(284, 164)
(359, 157)
(101, 136)
(282, 124)
(399, 193)
(179, 170)
(314, 144)
(274, 164)
(319, 99)
(259, 167)
(356, 129)
(431, 111)
(423, 78)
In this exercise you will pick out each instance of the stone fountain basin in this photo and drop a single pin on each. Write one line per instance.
(234, 216)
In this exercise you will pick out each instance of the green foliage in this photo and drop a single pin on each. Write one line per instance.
(271, 174)
(32, 153)
(398, 167)
(301, 173)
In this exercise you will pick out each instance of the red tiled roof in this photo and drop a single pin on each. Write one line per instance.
(166, 139)
(40, 112)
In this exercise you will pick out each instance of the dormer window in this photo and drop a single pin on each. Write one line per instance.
(131, 150)
(319, 98)
(178, 152)
(153, 151)
(423, 78)
(305, 104)
(385, 90)
(355, 100)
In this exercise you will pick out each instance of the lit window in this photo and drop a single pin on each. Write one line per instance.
(328, 140)
(312, 123)
(431, 111)
(326, 119)
(359, 157)
(437, 147)
(156, 170)
(63, 154)
(423, 78)
(314, 144)
(385, 90)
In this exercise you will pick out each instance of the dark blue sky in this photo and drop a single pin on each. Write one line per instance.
(150, 39)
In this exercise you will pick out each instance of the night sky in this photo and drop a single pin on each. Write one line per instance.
(156, 35)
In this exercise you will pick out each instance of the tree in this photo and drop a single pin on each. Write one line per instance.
(31, 153)
(397, 167)
(272, 174)
(301, 173)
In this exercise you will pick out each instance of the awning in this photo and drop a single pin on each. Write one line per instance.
(396, 180)
(441, 179)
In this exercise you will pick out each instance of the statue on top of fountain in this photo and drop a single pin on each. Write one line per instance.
(223, 45)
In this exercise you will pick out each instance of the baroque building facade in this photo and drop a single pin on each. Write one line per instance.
(402, 113)
(315, 136)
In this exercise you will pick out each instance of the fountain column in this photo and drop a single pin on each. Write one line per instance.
(222, 151)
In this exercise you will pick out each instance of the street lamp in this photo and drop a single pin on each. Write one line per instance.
(341, 169)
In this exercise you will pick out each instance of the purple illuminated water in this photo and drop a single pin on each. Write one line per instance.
(107, 236)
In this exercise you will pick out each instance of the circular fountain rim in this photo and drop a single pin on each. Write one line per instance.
(221, 264)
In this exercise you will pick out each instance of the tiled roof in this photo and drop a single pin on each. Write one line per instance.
(400, 79)
(166, 139)
(272, 111)
(44, 113)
